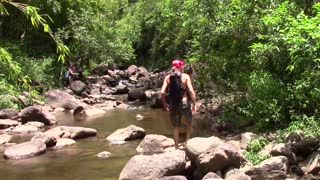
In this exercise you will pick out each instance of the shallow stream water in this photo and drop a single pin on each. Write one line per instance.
(80, 161)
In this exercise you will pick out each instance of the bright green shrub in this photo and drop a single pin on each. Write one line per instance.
(254, 147)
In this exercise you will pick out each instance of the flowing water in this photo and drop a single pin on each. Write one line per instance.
(80, 161)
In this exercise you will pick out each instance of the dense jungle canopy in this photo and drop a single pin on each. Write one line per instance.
(267, 53)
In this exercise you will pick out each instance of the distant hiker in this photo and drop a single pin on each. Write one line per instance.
(71, 74)
(80, 73)
(66, 76)
(182, 99)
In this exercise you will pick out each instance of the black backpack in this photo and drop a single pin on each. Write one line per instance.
(175, 88)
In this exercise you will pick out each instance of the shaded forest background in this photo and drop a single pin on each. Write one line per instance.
(267, 53)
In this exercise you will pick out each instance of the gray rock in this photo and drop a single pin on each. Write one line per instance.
(75, 132)
(220, 158)
(312, 164)
(77, 87)
(132, 70)
(137, 94)
(273, 168)
(25, 129)
(306, 146)
(6, 123)
(236, 174)
(62, 142)
(25, 150)
(152, 144)
(173, 178)
(284, 150)
(126, 134)
(198, 145)
(211, 176)
(35, 124)
(49, 140)
(294, 137)
(154, 166)
(121, 89)
(245, 139)
(5, 138)
(32, 113)
(8, 113)
(104, 154)
(57, 98)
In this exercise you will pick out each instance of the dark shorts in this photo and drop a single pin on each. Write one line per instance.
(177, 111)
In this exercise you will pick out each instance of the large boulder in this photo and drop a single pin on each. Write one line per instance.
(246, 138)
(295, 137)
(154, 166)
(64, 142)
(131, 132)
(57, 98)
(284, 150)
(220, 158)
(78, 87)
(199, 145)
(92, 111)
(25, 129)
(144, 82)
(8, 113)
(5, 138)
(132, 70)
(25, 150)
(79, 113)
(60, 99)
(312, 164)
(305, 147)
(121, 89)
(33, 113)
(153, 143)
(72, 132)
(236, 174)
(273, 168)
(48, 139)
(137, 94)
(142, 72)
(6, 123)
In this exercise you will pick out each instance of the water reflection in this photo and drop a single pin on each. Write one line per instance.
(80, 161)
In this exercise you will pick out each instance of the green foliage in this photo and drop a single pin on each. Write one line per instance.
(305, 95)
(37, 21)
(15, 76)
(308, 125)
(255, 158)
(265, 101)
(8, 95)
(95, 31)
(289, 50)
(296, 36)
(12, 72)
(265, 51)
(254, 147)
(257, 145)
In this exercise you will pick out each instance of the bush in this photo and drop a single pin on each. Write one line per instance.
(255, 146)
(7, 95)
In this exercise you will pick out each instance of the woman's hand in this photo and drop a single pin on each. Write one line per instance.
(194, 109)
(165, 106)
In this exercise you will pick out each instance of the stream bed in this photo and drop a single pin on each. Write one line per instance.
(80, 161)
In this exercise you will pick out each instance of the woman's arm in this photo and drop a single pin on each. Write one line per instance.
(163, 93)
(192, 93)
